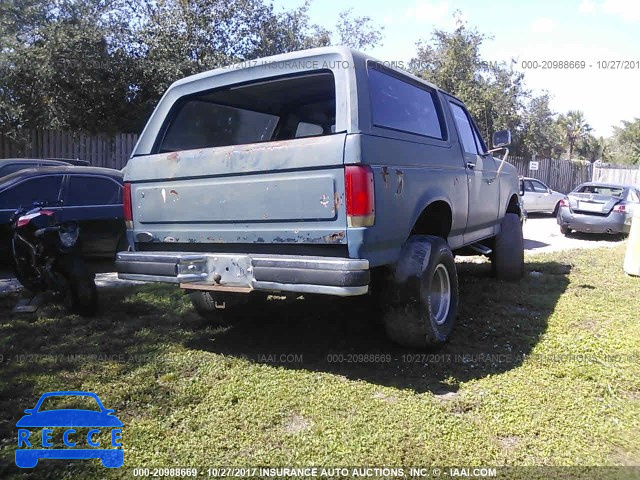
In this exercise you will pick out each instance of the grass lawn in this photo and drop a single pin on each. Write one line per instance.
(541, 372)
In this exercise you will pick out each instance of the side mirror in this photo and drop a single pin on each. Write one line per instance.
(29, 411)
(549, 190)
(501, 138)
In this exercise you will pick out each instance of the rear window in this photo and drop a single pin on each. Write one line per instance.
(400, 105)
(281, 108)
(601, 190)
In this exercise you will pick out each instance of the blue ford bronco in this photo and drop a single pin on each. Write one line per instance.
(322, 171)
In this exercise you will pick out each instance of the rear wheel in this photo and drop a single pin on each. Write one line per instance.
(422, 302)
(507, 258)
(565, 230)
(81, 294)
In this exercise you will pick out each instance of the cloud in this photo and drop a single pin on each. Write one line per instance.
(587, 6)
(628, 10)
(543, 25)
(428, 11)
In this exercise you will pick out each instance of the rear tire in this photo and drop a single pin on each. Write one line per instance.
(422, 303)
(565, 230)
(81, 295)
(507, 259)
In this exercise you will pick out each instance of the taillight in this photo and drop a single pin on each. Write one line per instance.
(360, 195)
(620, 208)
(564, 202)
(126, 203)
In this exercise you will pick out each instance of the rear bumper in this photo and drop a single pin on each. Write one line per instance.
(612, 223)
(246, 272)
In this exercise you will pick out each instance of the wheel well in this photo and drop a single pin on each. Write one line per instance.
(514, 205)
(434, 220)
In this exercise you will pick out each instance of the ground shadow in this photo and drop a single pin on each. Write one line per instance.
(597, 237)
(498, 324)
(533, 244)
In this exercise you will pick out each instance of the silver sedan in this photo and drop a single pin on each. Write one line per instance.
(540, 198)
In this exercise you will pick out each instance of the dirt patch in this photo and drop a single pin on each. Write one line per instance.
(297, 424)
(385, 398)
(509, 442)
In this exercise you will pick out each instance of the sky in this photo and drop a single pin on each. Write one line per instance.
(525, 31)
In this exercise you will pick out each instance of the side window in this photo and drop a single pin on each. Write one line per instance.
(92, 191)
(464, 129)
(528, 186)
(539, 187)
(41, 189)
(400, 105)
(479, 143)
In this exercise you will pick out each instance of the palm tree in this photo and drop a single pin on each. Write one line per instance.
(575, 128)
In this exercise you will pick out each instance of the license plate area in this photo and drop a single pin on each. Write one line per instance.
(590, 207)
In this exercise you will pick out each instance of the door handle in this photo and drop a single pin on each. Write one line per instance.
(471, 165)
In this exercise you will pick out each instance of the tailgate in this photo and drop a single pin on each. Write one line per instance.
(288, 191)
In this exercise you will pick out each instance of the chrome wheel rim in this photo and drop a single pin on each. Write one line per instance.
(440, 294)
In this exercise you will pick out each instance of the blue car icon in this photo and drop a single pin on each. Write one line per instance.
(28, 456)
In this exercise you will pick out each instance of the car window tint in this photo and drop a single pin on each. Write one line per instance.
(464, 129)
(15, 167)
(601, 190)
(308, 129)
(200, 124)
(528, 187)
(400, 105)
(539, 187)
(24, 194)
(92, 191)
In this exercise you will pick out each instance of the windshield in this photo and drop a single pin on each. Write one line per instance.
(601, 190)
(63, 402)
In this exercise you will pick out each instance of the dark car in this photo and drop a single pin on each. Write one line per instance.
(12, 165)
(91, 196)
(599, 208)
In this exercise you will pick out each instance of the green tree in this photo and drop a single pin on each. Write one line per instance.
(575, 129)
(593, 148)
(493, 93)
(541, 134)
(102, 65)
(625, 143)
(60, 71)
(357, 32)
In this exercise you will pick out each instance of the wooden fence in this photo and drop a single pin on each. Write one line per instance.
(626, 175)
(560, 175)
(111, 151)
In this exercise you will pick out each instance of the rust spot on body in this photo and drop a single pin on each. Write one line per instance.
(173, 156)
(334, 237)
